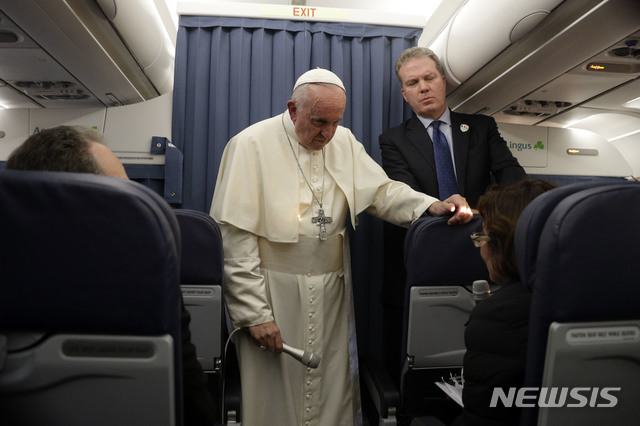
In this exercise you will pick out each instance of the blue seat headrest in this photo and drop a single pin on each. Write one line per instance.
(202, 256)
(441, 254)
(84, 253)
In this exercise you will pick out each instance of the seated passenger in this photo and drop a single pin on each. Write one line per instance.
(78, 150)
(497, 330)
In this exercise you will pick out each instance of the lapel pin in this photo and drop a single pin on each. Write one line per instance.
(464, 127)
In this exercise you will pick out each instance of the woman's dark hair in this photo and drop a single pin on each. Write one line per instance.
(500, 208)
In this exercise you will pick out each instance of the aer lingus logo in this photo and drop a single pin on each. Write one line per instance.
(539, 145)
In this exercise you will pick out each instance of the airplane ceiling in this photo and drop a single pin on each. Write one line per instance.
(51, 57)
(56, 53)
(582, 59)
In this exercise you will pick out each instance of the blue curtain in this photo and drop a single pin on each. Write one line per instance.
(233, 72)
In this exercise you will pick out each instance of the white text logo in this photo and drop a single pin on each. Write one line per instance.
(555, 397)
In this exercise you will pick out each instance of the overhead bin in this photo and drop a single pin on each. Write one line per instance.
(71, 53)
(479, 31)
(142, 30)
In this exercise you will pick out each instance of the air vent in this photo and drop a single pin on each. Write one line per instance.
(631, 49)
(52, 90)
(8, 37)
(73, 95)
(46, 85)
(536, 108)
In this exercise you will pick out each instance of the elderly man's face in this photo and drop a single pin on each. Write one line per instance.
(316, 122)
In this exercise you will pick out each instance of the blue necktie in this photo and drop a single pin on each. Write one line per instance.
(447, 184)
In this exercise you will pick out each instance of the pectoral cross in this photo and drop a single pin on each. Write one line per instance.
(322, 220)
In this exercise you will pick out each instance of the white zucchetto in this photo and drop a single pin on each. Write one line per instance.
(319, 75)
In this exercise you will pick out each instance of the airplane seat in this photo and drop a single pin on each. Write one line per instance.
(202, 265)
(201, 279)
(533, 219)
(89, 303)
(441, 263)
(576, 248)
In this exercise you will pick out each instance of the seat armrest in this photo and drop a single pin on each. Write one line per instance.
(232, 392)
(383, 391)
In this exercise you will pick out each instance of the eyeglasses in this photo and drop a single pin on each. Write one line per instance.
(478, 237)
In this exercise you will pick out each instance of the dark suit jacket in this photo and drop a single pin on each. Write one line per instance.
(479, 152)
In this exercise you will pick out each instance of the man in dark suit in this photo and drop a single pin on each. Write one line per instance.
(479, 157)
(479, 152)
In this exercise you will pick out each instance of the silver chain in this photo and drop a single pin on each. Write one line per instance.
(300, 167)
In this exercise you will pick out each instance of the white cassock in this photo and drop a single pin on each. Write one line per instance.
(276, 267)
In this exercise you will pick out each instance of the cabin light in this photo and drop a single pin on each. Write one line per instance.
(612, 67)
(624, 135)
(582, 151)
(633, 103)
(575, 122)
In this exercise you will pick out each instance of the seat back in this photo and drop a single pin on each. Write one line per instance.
(89, 302)
(441, 263)
(576, 248)
(201, 279)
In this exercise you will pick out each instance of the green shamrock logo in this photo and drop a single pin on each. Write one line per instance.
(539, 145)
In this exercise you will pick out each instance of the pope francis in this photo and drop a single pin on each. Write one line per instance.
(283, 193)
